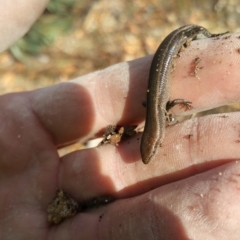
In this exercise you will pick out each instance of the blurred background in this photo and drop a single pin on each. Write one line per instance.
(74, 37)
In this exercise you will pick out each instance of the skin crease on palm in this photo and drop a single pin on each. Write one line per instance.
(189, 191)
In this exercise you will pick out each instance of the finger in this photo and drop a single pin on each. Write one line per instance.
(123, 88)
(16, 18)
(115, 95)
(215, 81)
(81, 108)
(189, 148)
(65, 111)
(197, 206)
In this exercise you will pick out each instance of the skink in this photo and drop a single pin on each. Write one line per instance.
(159, 86)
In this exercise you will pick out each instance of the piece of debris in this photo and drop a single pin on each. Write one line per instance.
(61, 207)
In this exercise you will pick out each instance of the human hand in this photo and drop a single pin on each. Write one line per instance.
(16, 18)
(190, 190)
